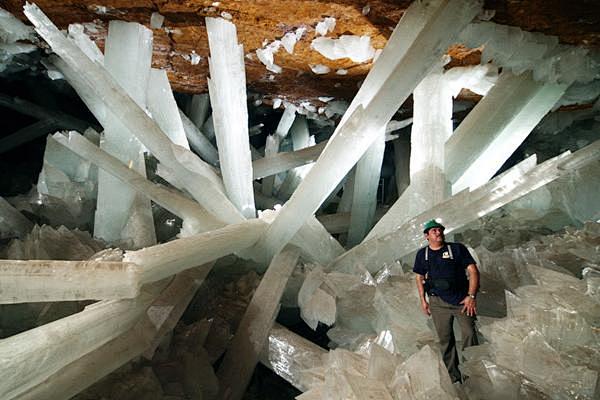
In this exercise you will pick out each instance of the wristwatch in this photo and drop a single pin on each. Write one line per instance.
(472, 296)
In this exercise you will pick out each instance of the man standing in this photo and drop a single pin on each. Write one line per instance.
(442, 270)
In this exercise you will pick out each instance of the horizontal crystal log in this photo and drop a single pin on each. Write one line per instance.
(170, 258)
(44, 280)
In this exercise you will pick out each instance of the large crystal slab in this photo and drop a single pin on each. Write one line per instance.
(163, 107)
(465, 207)
(121, 213)
(100, 87)
(496, 127)
(227, 89)
(432, 125)
(12, 222)
(251, 336)
(423, 376)
(195, 218)
(289, 354)
(38, 281)
(401, 73)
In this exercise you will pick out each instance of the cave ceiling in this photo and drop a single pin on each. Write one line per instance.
(260, 21)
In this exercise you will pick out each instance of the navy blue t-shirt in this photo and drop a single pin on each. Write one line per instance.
(448, 264)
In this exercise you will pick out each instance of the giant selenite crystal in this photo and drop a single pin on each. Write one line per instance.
(97, 86)
(496, 127)
(227, 88)
(394, 81)
(432, 126)
(121, 213)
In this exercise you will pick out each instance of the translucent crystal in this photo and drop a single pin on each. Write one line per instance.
(227, 88)
(12, 222)
(163, 108)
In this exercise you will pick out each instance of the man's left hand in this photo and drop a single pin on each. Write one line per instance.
(469, 306)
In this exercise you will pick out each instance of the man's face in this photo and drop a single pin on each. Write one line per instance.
(435, 236)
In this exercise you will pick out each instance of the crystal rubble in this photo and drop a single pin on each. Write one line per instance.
(72, 179)
(47, 243)
(377, 374)
(227, 89)
(366, 184)
(195, 218)
(12, 31)
(430, 130)
(274, 141)
(356, 48)
(122, 215)
(163, 260)
(544, 339)
(508, 129)
(389, 91)
(465, 207)
(198, 142)
(44, 281)
(103, 90)
(242, 356)
(12, 222)
(142, 337)
(163, 108)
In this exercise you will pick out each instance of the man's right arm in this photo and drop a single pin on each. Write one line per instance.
(424, 304)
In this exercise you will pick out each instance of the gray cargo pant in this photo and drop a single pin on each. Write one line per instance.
(443, 315)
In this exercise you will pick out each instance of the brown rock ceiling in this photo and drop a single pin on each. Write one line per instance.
(575, 22)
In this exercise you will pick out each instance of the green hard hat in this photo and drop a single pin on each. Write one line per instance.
(432, 224)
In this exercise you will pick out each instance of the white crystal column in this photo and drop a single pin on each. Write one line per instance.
(170, 258)
(465, 207)
(163, 108)
(227, 88)
(199, 142)
(274, 141)
(301, 139)
(251, 336)
(366, 183)
(402, 163)
(197, 109)
(121, 213)
(36, 281)
(285, 161)
(195, 218)
(432, 125)
(97, 85)
(12, 222)
(494, 129)
(405, 61)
